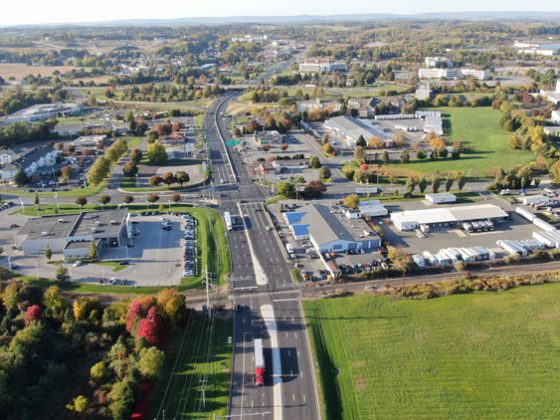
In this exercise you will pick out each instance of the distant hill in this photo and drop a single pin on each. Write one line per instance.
(547, 16)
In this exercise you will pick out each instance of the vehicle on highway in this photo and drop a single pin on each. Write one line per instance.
(77, 264)
(267, 228)
(259, 362)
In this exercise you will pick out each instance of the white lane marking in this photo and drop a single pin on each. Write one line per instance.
(267, 312)
(243, 376)
(285, 300)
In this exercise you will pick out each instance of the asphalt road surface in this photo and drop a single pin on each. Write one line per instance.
(263, 289)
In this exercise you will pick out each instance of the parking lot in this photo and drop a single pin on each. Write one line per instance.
(516, 229)
(154, 257)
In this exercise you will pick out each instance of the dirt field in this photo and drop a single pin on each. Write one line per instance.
(19, 71)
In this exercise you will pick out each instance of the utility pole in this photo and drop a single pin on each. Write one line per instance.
(207, 291)
(203, 382)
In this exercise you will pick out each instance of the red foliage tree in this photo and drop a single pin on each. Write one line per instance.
(137, 310)
(33, 313)
(150, 327)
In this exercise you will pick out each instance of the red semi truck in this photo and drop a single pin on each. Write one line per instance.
(259, 362)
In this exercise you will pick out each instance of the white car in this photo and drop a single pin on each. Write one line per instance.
(267, 228)
(77, 264)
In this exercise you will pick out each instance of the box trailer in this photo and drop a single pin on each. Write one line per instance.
(525, 213)
(259, 362)
(541, 224)
(511, 248)
(429, 257)
(419, 261)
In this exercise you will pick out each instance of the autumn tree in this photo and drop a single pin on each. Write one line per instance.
(152, 198)
(150, 363)
(32, 313)
(182, 177)
(104, 199)
(168, 178)
(376, 143)
(352, 201)
(81, 201)
(127, 199)
(150, 328)
(130, 169)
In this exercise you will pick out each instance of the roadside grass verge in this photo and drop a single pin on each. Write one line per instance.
(205, 354)
(465, 356)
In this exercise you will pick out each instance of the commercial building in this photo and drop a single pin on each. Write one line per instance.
(453, 73)
(423, 92)
(537, 48)
(372, 208)
(43, 112)
(553, 96)
(441, 198)
(69, 233)
(321, 66)
(268, 137)
(30, 162)
(328, 232)
(447, 216)
(350, 129)
(432, 62)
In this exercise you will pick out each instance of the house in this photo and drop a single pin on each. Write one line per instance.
(268, 137)
(365, 107)
(555, 116)
(70, 233)
(328, 232)
(7, 156)
(90, 141)
(30, 162)
(331, 106)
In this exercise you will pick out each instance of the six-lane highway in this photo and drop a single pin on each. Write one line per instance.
(267, 301)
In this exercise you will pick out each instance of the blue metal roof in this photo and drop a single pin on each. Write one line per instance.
(294, 217)
(300, 230)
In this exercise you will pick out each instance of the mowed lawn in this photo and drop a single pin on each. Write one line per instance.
(485, 355)
(480, 131)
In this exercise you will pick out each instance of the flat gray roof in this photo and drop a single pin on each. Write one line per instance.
(325, 226)
(108, 221)
(49, 227)
(65, 225)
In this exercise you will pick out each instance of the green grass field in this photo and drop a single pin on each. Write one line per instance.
(204, 354)
(484, 355)
(478, 129)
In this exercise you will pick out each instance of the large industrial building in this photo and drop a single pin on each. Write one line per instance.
(330, 233)
(350, 129)
(43, 112)
(447, 216)
(321, 66)
(72, 234)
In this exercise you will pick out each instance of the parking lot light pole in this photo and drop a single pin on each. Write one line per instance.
(126, 250)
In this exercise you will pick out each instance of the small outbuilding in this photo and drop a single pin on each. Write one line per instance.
(441, 198)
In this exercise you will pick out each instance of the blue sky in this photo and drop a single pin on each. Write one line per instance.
(57, 11)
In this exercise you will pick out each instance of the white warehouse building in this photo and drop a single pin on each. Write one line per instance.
(329, 233)
(447, 216)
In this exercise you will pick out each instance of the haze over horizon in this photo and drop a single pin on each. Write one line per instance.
(65, 11)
